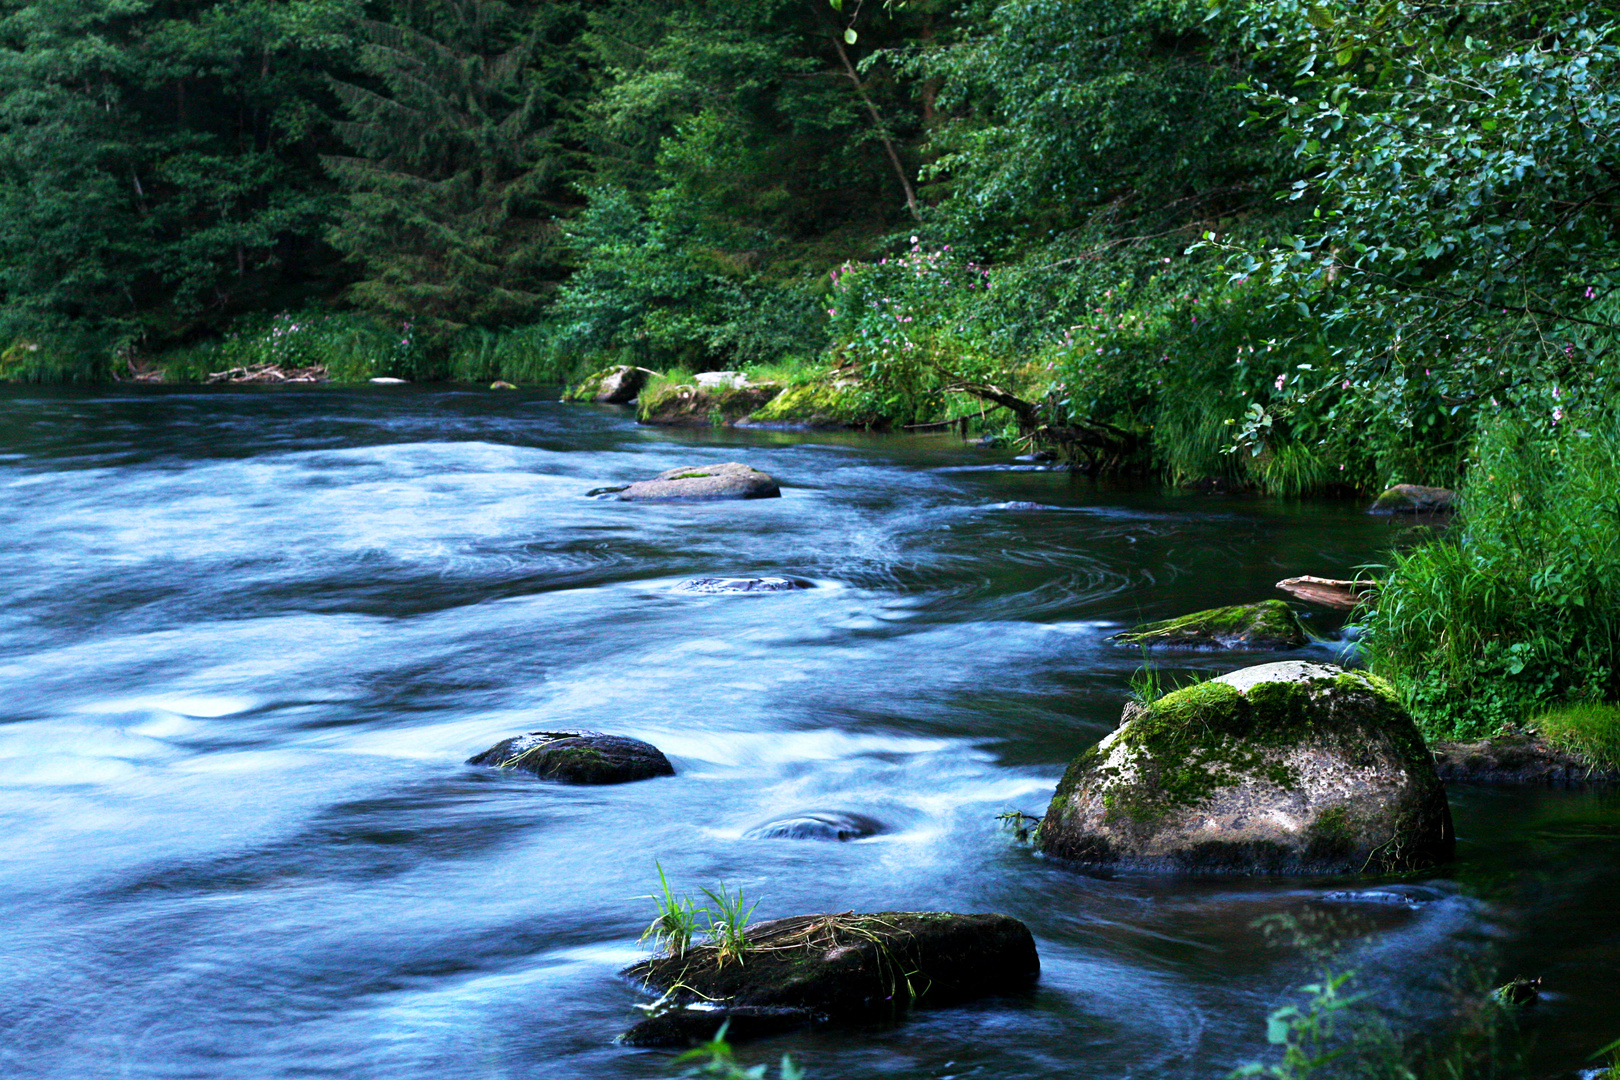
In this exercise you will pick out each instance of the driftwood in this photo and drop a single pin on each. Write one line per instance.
(1329, 592)
(269, 373)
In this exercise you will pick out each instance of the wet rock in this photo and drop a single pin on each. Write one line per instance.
(715, 586)
(1515, 757)
(1023, 507)
(1282, 768)
(1518, 993)
(1268, 625)
(703, 483)
(619, 385)
(817, 825)
(501, 384)
(848, 968)
(1414, 499)
(386, 380)
(715, 405)
(694, 1025)
(841, 404)
(577, 757)
(1329, 592)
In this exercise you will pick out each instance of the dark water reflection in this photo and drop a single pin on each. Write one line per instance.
(247, 639)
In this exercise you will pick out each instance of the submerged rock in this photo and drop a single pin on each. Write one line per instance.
(1517, 757)
(703, 483)
(840, 968)
(817, 825)
(578, 757)
(715, 586)
(618, 385)
(1282, 768)
(1268, 625)
(1414, 499)
(715, 405)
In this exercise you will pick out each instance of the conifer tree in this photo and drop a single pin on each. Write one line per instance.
(454, 149)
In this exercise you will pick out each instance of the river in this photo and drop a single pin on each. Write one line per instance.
(249, 637)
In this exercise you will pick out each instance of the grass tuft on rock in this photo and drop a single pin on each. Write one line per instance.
(1590, 730)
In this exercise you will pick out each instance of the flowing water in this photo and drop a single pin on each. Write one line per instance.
(248, 639)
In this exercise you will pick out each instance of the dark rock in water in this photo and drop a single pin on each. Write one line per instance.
(817, 825)
(1268, 625)
(1023, 506)
(849, 968)
(578, 757)
(694, 1025)
(1518, 993)
(713, 586)
(1414, 499)
(597, 493)
(703, 483)
(1518, 757)
(1407, 896)
(1281, 768)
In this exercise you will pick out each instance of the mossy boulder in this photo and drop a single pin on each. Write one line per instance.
(819, 405)
(577, 757)
(1269, 625)
(1414, 499)
(715, 405)
(844, 968)
(1291, 767)
(702, 483)
(618, 385)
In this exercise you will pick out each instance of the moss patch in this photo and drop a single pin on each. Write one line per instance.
(1270, 624)
(822, 405)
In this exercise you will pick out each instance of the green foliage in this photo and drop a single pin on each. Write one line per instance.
(1309, 1037)
(445, 212)
(346, 347)
(715, 1058)
(1517, 611)
(1590, 730)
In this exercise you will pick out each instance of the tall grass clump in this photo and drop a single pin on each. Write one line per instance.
(526, 354)
(677, 920)
(1592, 731)
(1517, 610)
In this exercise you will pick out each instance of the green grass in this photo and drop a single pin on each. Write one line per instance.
(677, 921)
(1516, 609)
(1592, 731)
(728, 923)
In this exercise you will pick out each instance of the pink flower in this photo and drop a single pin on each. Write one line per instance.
(1280, 380)
(1558, 414)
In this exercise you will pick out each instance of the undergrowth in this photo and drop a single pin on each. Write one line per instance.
(1592, 731)
(1517, 609)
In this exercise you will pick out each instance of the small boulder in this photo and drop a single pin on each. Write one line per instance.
(716, 405)
(619, 385)
(703, 483)
(817, 825)
(1414, 499)
(717, 586)
(577, 757)
(840, 404)
(386, 380)
(1282, 768)
(501, 384)
(845, 968)
(1268, 625)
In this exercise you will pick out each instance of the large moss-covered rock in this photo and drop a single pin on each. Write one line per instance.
(836, 968)
(618, 385)
(713, 405)
(1268, 625)
(1282, 768)
(577, 757)
(1414, 499)
(819, 405)
(701, 483)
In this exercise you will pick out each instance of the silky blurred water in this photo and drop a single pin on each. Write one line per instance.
(248, 638)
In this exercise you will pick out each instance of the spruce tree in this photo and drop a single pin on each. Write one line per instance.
(454, 149)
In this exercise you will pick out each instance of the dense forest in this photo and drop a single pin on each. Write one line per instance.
(1298, 245)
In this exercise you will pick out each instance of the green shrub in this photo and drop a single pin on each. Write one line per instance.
(350, 347)
(1517, 610)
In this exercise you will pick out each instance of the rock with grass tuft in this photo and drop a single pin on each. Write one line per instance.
(1282, 768)
(1414, 499)
(577, 757)
(1270, 625)
(703, 483)
(718, 404)
(846, 968)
